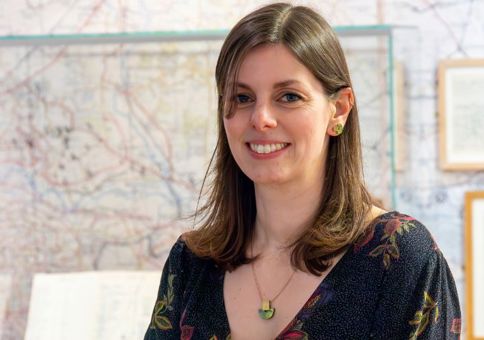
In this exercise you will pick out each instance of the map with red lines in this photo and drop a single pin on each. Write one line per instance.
(102, 150)
(103, 147)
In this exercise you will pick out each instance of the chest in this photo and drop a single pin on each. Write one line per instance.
(218, 303)
(242, 302)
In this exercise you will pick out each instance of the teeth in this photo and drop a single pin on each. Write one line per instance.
(267, 148)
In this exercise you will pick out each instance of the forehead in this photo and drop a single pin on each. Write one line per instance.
(274, 63)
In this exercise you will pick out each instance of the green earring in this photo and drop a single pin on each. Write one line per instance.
(338, 129)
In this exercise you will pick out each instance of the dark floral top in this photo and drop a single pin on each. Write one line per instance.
(393, 283)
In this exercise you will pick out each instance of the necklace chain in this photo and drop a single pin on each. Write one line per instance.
(257, 281)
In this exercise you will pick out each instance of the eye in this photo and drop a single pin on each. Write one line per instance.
(242, 98)
(290, 97)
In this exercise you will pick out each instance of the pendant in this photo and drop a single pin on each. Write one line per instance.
(266, 312)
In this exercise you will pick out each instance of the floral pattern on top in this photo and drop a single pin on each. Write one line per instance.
(455, 327)
(187, 331)
(163, 306)
(393, 283)
(389, 246)
(322, 295)
(423, 318)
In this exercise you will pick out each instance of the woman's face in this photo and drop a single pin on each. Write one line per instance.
(278, 131)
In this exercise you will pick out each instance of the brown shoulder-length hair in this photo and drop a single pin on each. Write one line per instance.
(226, 219)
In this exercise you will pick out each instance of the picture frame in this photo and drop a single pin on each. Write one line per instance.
(474, 271)
(460, 106)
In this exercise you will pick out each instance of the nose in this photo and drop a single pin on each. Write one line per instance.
(263, 117)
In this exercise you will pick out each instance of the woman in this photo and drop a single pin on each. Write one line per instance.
(290, 245)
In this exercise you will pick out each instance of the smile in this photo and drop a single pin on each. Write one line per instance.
(267, 148)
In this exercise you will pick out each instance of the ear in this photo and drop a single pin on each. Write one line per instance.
(340, 107)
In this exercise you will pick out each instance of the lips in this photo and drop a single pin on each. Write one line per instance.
(267, 148)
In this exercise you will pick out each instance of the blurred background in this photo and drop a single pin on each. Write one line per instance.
(107, 124)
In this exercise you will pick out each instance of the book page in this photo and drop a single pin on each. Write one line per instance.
(91, 305)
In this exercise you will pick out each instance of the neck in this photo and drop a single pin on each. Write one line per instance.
(283, 212)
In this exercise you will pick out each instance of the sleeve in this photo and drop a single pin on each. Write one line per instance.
(165, 319)
(437, 312)
(418, 297)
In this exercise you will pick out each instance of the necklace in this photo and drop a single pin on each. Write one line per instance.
(266, 311)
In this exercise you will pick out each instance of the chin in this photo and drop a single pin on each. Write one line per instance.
(266, 178)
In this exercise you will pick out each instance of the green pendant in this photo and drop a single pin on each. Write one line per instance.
(266, 312)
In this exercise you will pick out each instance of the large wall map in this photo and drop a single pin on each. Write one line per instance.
(103, 147)
(102, 152)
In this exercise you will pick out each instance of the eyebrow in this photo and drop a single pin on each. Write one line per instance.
(276, 85)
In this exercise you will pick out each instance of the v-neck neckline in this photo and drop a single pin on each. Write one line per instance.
(328, 280)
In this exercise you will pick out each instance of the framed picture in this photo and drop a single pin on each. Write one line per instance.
(461, 118)
(474, 270)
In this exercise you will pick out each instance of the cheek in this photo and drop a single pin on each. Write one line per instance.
(233, 127)
(229, 128)
(314, 134)
(235, 132)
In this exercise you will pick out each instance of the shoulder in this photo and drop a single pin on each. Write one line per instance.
(397, 239)
(180, 252)
(412, 278)
(179, 249)
(182, 259)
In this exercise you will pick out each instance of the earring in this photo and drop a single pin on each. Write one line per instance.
(338, 129)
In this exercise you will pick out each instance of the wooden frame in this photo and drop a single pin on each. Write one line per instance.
(461, 121)
(474, 254)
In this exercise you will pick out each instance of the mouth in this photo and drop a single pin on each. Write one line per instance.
(267, 148)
